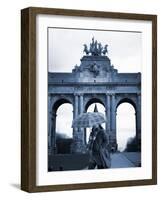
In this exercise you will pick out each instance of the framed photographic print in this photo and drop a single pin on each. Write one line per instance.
(88, 99)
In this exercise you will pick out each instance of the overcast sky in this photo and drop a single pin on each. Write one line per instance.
(65, 49)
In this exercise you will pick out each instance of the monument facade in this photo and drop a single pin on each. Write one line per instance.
(95, 80)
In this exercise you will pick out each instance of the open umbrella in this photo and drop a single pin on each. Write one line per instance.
(88, 119)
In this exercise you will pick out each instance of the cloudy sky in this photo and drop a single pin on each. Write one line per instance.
(65, 49)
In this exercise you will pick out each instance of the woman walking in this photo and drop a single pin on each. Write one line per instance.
(98, 149)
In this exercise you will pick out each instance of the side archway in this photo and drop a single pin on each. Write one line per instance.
(60, 131)
(127, 100)
(126, 123)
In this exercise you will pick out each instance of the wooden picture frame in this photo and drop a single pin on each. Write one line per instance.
(28, 98)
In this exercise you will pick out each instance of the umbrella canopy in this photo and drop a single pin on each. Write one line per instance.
(88, 119)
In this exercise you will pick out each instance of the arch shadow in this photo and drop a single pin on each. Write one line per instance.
(91, 101)
(126, 100)
(60, 102)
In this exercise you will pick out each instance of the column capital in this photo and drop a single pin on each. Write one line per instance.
(110, 94)
(76, 94)
(81, 94)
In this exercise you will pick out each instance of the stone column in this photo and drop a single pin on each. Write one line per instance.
(49, 122)
(75, 114)
(53, 133)
(113, 122)
(75, 111)
(81, 108)
(108, 111)
(82, 130)
(108, 115)
(75, 106)
(78, 133)
(138, 121)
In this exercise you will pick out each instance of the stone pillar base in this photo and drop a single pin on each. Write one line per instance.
(49, 150)
(113, 145)
(78, 147)
(113, 141)
(52, 150)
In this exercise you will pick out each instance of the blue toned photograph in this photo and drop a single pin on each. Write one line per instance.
(94, 99)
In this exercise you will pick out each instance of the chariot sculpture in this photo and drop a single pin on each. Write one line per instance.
(95, 49)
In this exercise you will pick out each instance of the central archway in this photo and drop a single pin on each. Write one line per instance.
(93, 105)
(93, 101)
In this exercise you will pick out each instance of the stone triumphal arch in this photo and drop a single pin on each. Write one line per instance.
(95, 80)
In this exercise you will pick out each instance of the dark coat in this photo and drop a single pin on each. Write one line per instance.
(98, 146)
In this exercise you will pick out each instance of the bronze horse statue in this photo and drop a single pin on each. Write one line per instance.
(104, 51)
(86, 49)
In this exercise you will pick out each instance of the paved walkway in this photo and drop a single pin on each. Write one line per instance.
(78, 162)
(118, 160)
(134, 157)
